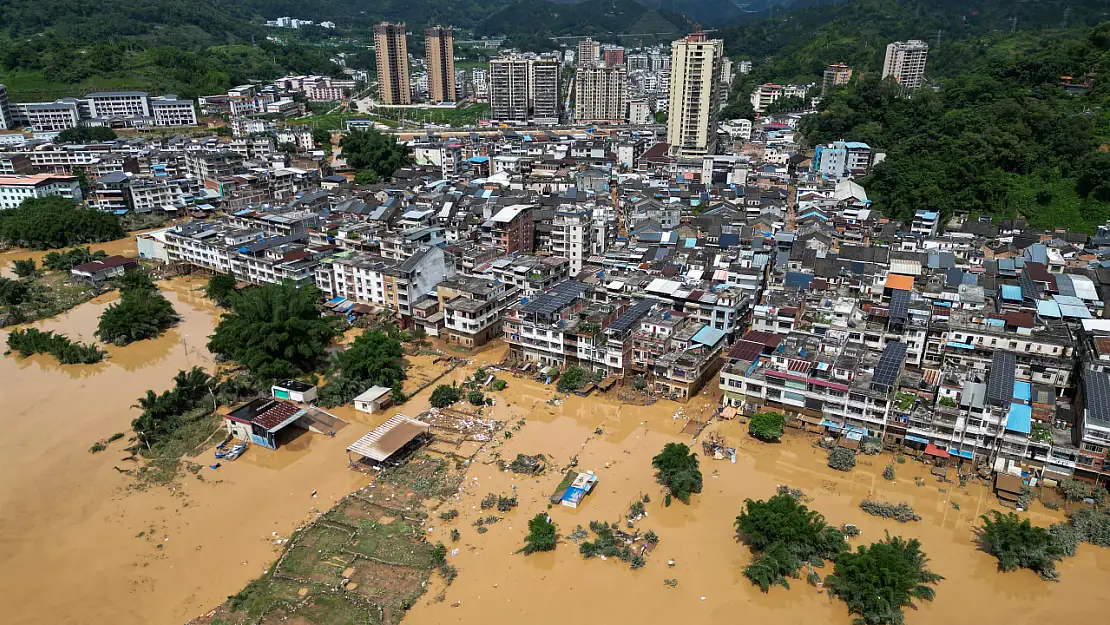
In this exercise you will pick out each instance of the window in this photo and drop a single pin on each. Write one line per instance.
(1094, 449)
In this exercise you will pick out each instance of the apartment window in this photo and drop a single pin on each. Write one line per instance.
(1094, 449)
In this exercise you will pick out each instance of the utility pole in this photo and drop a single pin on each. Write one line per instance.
(1067, 12)
(937, 43)
(1013, 26)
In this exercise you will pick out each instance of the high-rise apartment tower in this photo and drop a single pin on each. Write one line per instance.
(391, 48)
(439, 44)
(694, 95)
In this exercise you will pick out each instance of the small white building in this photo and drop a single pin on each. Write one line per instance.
(294, 390)
(373, 400)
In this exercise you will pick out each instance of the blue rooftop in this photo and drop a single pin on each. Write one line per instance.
(1022, 390)
(1011, 292)
(708, 336)
(1019, 418)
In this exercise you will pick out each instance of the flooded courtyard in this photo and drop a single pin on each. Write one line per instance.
(81, 544)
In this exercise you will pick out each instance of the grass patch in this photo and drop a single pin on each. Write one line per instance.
(336, 610)
(318, 555)
(261, 595)
(164, 461)
(396, 542)
(50, 294)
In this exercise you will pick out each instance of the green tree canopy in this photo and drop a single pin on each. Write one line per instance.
(274, 330)
(142, 312)
(877, 581)
(1017, 543)
(372, 151)
(784, 534)
(677, 469)
(767, 426)
(221, 288)
(445, 395)
(373, 359)
(85, 134)
(54, 222)
(542, 535)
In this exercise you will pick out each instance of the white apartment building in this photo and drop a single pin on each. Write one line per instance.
(600, 93)
(766, 94)
(118, 104)
(15, 189)
(694, 95)
(524, 89)
(46, 116)
(905, 61)
(639, 113)
(6, 121)
(169, 111)
(572, 236)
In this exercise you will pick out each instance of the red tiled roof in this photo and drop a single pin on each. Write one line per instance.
(1019, 319)
(800, 366)
(770, 339)
(276, 415)
(106, 263)
(745, 350)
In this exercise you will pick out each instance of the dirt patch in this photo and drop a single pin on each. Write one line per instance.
(389, 585)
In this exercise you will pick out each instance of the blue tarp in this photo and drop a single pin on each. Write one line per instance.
(916, 439)
(708, 336)
(1011, 292)
(962, 454)
(1019, 418)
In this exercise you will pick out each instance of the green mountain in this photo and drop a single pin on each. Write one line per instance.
(604, 20)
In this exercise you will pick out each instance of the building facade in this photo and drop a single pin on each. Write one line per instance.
(694, 95)
(439, 45)
(524, 89)
(391, 49)
(905, 61)
(600, 93)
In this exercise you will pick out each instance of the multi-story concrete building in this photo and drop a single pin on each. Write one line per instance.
(905, 61)
(768, 93)
(439, 45)
(393, 284)
(835, 75)
(15, 189)
(639, 113)
(47, 116)
(510, 229)
(589, 51)
(524, 89)
(5, 114)
(170, 111)
(572, 236)
(391, 50)
(473, 309)
(843, 159)
(612, 56)
(600, 93)
(694, 95)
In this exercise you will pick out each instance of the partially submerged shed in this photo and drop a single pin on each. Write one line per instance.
(389, 438)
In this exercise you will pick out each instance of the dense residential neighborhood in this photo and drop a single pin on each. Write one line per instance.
(516, 278)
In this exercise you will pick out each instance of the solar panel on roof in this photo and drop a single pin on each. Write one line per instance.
(560, 295)
(899, 304)
(890, 363)
(632, 315)
(1098, 394)
(1029, 290)
(1000, 383)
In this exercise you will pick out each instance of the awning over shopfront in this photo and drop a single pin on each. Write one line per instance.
(932, 450)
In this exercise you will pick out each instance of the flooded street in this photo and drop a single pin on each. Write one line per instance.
(80, 545)
(497, 585)
(125, 247)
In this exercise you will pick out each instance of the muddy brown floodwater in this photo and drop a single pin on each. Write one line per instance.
(496, 585)
(125, 246)
(79, 545)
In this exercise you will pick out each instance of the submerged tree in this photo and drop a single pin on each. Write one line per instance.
(444, 395)
(677, 469)
(784, 534)
(767, 426)
(877, 581)
(373, 359)
(221, 289)
(542, 535)
(1017, 543)
(141, 313)
(275, 330)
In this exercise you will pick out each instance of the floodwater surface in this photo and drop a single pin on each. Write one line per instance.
(79, 544)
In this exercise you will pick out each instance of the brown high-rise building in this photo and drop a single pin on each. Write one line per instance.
(439, 43)
(391, 48)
